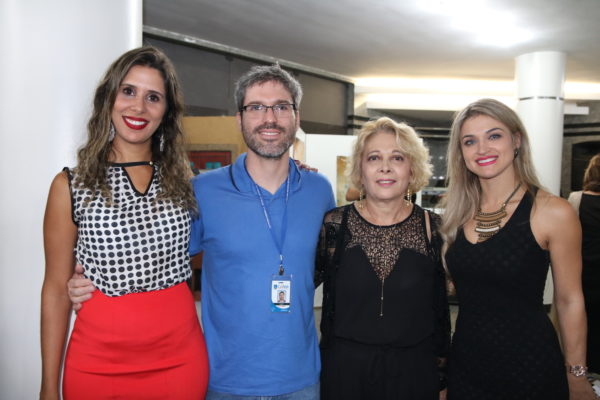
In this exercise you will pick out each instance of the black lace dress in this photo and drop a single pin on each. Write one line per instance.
(504, 346)
(385, 324)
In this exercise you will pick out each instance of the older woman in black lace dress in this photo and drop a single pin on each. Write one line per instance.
(385, 325)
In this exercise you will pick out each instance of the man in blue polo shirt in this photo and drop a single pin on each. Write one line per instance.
(258, 227)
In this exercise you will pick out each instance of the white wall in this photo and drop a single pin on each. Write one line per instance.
(321, 153)
(52, 56)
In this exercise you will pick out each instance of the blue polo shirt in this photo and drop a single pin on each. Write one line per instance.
(252, 350)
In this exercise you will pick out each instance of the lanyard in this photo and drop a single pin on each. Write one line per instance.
(278, 244)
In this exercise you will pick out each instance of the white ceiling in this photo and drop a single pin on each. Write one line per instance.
(396, 38)
(365, 38)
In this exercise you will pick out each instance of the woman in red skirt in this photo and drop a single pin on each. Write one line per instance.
(125, 210)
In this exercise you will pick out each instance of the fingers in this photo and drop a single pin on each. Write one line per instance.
(306, 167)
(79, 269)
(80, 295)
(77, 298)
(443, 394)
(77, 282)
(79, 288)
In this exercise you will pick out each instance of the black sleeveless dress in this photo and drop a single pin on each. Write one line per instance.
(504, 346)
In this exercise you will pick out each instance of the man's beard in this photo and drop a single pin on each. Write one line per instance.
(273, 151)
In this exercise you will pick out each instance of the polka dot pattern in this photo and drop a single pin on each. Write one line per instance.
(137, 244)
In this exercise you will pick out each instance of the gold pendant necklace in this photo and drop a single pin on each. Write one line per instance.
(488, 224)
(381, 304)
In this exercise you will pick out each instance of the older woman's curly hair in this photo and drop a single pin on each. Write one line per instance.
(410, 144)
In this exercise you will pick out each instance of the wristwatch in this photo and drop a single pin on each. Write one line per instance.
(577, 370)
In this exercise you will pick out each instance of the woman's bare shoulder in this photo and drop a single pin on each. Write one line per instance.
(549, 205)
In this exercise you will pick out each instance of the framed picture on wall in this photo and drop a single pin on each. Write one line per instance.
(211, 156)
(203, 159)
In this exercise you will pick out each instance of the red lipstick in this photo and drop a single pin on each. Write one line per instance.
(135, 123)
(484, 161)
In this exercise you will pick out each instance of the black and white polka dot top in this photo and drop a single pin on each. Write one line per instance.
(136, 244)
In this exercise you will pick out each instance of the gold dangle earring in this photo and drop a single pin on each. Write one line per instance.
(407, 197)
(361, 197)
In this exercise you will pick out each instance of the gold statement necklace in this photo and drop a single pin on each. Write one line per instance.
(488, 224)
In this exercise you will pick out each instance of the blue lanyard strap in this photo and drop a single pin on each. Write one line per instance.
(278, 244)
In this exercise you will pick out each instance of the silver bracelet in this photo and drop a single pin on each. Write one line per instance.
(577, 370)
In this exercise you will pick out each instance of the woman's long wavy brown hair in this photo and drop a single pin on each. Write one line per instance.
(173, 165)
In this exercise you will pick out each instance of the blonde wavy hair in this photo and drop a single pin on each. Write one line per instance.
(464, 191)
(93, 157)
(410, 144)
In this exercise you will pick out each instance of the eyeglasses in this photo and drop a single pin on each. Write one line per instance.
(282, 110)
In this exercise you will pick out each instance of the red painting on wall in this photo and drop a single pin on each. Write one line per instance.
(209, 159)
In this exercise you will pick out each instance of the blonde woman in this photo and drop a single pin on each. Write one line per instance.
(502, 233)
(385, 325)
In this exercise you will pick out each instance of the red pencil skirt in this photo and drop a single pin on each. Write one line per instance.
(138, 346)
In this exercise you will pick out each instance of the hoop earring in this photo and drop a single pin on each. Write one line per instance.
(161, 145)
(111, 132)
(407, 197)
(361, 197)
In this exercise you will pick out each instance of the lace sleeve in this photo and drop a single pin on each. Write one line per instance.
(325, 267)
(321, 257)
(328, 240)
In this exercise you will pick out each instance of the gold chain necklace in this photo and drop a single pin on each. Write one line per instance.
(488, 224)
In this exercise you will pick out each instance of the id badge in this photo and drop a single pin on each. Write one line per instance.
(281, 293)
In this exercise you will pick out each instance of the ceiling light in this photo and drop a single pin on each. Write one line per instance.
(486, 23)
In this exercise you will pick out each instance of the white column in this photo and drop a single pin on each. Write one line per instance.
(540, 80)
(540, 85)
(53, 54)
